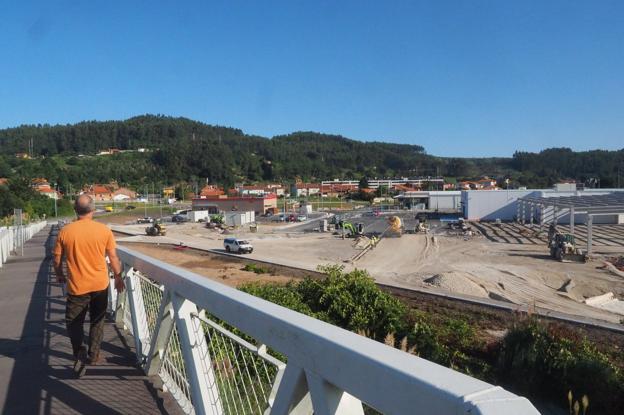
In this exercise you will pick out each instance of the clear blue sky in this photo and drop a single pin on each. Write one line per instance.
(473, 78)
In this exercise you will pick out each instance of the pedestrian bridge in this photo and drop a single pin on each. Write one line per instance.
(178, 342)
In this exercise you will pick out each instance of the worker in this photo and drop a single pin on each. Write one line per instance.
(85, 245)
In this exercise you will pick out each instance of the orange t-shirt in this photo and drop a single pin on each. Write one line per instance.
(84, 244)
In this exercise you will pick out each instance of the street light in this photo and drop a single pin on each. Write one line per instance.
(55, 199)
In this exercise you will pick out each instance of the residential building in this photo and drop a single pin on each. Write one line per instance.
(258, 205)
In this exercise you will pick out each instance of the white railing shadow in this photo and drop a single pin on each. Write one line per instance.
(222, 351)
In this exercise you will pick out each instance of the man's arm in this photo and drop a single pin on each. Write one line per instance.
(115, 265)
(58, 260)
(58, 268)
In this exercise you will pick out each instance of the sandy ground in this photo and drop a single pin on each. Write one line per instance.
(213, 266)
(517, 272)
(521, 274)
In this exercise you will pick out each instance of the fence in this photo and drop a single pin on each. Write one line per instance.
(14, 237)
(222, 351)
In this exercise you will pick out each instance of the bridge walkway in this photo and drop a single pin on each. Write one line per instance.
(36, 375)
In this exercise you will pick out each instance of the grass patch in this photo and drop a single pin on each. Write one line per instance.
(256, 269)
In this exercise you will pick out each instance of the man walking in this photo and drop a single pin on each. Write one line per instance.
(85, 245)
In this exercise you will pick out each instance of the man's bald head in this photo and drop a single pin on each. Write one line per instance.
(84, 205)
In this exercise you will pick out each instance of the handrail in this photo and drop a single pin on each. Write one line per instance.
(14, 237)
(339, 368)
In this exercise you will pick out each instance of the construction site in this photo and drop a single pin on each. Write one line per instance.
(540, 261)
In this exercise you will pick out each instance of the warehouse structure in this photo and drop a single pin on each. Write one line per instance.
(586, 208)
(491, 205)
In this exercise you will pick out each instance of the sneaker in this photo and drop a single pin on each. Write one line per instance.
(80, 365)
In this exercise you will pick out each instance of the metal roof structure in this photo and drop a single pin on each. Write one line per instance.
(590, 204)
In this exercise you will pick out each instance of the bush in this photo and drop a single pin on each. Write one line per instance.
(349, 300)
(549, 361)
(257, 269)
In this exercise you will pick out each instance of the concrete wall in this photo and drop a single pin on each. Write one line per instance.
(493, 204)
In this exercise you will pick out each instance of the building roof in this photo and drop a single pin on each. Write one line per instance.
(223, 198)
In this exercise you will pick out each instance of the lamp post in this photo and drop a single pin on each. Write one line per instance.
(55, 199)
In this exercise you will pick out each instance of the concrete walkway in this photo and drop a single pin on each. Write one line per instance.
(36, 375)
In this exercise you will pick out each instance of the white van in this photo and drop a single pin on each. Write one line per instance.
(237, 246)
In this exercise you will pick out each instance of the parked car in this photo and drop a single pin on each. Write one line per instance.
(301, 218)
(130, 207)
(279, 218)
(179, 218)
(146, 219)
(108, 208)
(237, 246)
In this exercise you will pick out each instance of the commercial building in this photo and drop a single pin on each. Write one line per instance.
(430, 200)
(490, 205)
(258, 205)
(422, 183)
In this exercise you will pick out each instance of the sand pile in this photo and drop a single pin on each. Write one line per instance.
(457, 282)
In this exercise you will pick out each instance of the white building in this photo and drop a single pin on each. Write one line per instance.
(430, 200)
(489, 205)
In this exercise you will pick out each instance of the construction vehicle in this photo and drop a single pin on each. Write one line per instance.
(157, 229)
(353, 230)
(563, 246)
(396, 226)
(108, 208)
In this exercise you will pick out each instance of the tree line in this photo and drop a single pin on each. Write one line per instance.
(181, 150)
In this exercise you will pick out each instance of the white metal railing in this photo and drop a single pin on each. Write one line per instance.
(13, 238)
(222, 351)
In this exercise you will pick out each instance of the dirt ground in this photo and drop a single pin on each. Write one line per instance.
(215, 267)
(507, 267)
(517, 273)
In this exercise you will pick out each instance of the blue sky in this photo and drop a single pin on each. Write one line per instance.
(471, 78)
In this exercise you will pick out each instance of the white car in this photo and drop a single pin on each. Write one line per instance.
(237, 246)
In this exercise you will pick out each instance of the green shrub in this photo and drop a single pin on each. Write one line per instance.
(549, 361)
(255, 269)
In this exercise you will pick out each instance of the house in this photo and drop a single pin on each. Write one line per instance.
(305, 189)
(211, 190)
(123, 193)
(41, 186)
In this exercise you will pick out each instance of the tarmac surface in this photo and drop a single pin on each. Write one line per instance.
(36, 375)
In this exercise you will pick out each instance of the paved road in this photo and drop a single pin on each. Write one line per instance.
(35, 355)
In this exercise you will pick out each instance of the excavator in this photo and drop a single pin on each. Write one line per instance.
(157, 229)
(354, 230)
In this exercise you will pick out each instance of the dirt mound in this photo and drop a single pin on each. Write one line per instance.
(457, 282)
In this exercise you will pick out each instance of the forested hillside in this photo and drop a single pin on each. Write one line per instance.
(183, 150)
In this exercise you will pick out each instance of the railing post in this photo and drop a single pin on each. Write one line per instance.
(139, 317)
(201, 376)
(293, 396)
(162, 334)
(327, 399)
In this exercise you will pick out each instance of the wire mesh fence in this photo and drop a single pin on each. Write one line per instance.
(245, 374)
